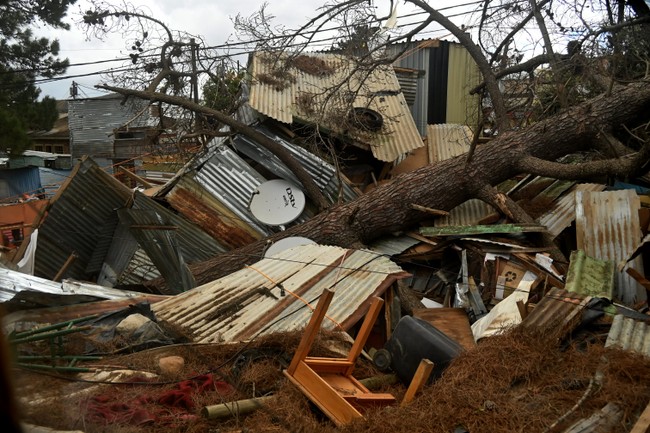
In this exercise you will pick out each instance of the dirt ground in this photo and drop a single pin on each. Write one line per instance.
(515, 382)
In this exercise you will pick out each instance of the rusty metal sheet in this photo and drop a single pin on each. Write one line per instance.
(608, 228)
(279, 292)
(559, 310)
(284, 98)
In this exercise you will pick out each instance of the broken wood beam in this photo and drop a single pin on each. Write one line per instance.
(419, 379)
(642, 425)
(71, 258)
(436, 212)
(135, 177)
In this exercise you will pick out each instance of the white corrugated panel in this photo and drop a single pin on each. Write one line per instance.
(250, 302)
(295, 94)
(629, 334)
(563, 211)
(608, 228)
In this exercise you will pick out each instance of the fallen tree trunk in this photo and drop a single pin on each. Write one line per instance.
(444, 185)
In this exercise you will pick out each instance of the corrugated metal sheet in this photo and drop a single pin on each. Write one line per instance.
(589, 276)
(415, 56)
(393, 245)
(139, 269)
(93, 120)
(563, 211)
(119, 258)
(225, 182)
(75, 220)
(12, 282)
(559, 311)
(295, 98)
(408, 82)
(194, 243)
(323, 173)
(608, 228)
(447, 141)
(227, 177)
(250, 302)
(463, 76)
(629, 334)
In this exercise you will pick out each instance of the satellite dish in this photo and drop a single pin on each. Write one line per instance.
(277, 202)
(286, 243)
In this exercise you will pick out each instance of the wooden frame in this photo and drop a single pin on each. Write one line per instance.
(328, 382)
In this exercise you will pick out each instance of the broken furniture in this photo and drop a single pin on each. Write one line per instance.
(328, 382)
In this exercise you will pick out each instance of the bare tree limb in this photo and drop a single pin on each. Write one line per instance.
(311, 189)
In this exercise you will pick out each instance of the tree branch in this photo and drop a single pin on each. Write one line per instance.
(627, 165)
(307, 181)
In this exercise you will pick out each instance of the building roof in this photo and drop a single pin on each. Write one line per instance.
(320, 88)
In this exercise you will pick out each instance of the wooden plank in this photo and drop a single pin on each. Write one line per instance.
(322, 395)
(364, 332)
(312, 329)
(419, 379)
(328, 365)
(481, 229)
(643, 423)
(453, 322)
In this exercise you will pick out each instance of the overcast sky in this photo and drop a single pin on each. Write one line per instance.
(210, 19)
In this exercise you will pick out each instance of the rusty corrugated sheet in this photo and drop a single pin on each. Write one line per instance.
(75, 220)
(559, 311)
(251, 301)
(608, 228)
(563, 211)
(296, 95)
(629, 334)
(447, 141)
(78, 221)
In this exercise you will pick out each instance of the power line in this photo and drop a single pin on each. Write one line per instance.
(242, 44)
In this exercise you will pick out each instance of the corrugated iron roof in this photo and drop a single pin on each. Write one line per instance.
(92, 122)
(559, 310)
(446, 141)
(78, 219)
(288, 94)
(563, 211)
(224, 183)
(608, 228)
(75, 220)
(251, 301)
(629, 334)
(12, 282)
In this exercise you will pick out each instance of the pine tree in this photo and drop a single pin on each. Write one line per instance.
(23, 58)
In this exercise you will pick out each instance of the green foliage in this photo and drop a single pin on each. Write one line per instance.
(23, 58)
(221, 94)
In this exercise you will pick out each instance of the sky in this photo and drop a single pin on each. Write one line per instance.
(210, 19)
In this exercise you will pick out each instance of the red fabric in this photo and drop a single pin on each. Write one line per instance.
(164, 408)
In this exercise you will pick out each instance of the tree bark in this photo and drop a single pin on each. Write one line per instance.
(444, 185)
(311, 189)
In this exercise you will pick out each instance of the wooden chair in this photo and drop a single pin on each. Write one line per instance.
(328, 382)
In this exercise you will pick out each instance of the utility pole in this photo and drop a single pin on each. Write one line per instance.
(195, 81)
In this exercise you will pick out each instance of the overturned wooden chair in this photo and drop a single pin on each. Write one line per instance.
(328, 382)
